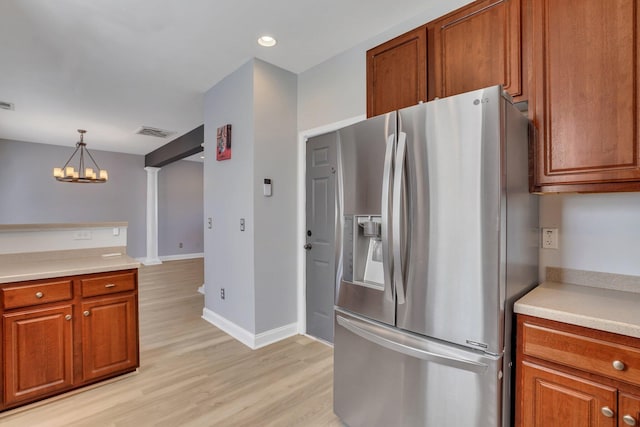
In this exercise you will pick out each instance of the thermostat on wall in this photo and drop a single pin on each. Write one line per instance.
(267, 187)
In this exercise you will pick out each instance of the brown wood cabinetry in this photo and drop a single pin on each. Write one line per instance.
(397, 73)
(38, 352)
(573, 376)
(584, 94)
(61, 334)
(109, 338)
(477, 46)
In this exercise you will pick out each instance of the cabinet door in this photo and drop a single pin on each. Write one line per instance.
(478, 46)
(628, 410)
(397, 73)
(585, 94)
(551, 398)
(109, 336)
(38, 353)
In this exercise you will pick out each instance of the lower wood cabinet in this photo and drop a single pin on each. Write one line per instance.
(109, 338)
(573, 376)
(38, 352)
(55, 337)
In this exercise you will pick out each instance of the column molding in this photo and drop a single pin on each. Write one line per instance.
(152, 217)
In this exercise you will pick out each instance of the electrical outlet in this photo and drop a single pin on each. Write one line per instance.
(550, 238)
(82, 235)
(221, 293)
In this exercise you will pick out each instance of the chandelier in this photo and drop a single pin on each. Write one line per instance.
(82, 175)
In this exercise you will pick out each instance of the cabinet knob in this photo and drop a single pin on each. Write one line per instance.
(629, 420)
(110, 285)
(618, 365)
(86, 313)
(607, 412)
(67, 317)
(39, 295)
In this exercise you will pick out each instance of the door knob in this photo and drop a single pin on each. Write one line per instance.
(308, 246)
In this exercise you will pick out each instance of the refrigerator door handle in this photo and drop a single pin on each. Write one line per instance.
(398, 271)
(364, 331)
(387, 264)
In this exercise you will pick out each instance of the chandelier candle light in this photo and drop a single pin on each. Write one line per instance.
(82, 175)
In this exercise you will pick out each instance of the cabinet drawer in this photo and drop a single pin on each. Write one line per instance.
(108, 284)
(589, 354)
(14, 296)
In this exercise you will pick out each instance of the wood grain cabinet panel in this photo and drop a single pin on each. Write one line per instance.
(477, 46)
(397, 73)
(567, 375)
(555, 399)
(38, 353)
(62, 334)
(628, 410)
(585, 94)
(109, 336)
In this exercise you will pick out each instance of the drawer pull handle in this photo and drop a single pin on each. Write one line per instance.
(618, 365)
(67, 317)
(607, 412)
(86, 313)
(39, 295)
(629, 420)
(110, 285)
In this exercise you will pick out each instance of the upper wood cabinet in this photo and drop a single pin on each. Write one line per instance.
(477, 46)
(584, 95)
(397, 73)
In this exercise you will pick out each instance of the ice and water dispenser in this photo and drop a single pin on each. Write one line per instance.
(362, 256)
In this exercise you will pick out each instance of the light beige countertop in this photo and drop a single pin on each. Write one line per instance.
(600, 308)
(43, 265)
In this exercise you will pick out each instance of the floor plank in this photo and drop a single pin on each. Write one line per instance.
(192, 374)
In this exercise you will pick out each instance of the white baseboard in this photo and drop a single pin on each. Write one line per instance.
(181, 256)
(201, 289)
(247, 338)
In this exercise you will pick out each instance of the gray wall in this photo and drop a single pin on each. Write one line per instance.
(30, 194)
(228, 196)
(180, 208)
(597, 232)
(335, 90)
(256, 267)
(275, 156)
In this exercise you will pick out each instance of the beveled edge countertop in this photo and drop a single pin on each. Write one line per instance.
(44, 265)
(590, 306)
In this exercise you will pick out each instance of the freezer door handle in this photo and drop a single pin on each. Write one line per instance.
(387, 265)
(367, 332)
(398, 270)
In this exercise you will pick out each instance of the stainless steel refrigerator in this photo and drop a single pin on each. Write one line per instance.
(439, 237)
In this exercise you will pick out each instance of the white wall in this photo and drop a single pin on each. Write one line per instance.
(598, 232)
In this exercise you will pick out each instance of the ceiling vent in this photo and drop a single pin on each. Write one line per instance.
(158, 133)
(6, 105)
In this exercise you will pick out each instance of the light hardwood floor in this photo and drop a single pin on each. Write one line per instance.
(193, 374)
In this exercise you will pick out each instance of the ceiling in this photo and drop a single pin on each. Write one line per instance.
(111, 66)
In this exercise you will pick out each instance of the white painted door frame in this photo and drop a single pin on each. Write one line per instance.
(302, 198)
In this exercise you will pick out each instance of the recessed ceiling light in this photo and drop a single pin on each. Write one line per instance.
(267, 41)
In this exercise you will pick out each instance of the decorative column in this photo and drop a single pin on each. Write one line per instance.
(152, 217)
